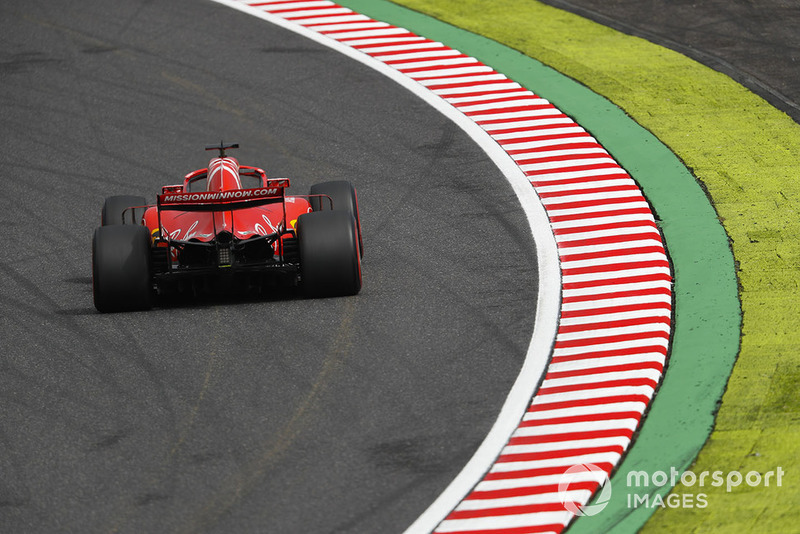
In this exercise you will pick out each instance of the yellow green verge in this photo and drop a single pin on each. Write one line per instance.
(746, 154)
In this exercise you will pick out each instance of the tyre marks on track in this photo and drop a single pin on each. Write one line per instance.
(615, 319)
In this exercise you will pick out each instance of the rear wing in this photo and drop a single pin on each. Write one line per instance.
(178, 199)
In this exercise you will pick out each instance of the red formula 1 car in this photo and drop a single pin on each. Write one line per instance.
(226, 228)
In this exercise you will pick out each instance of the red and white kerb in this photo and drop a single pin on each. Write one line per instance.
(613, 333)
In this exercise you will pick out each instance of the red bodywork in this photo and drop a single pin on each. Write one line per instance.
(227, 229)
(196, 210)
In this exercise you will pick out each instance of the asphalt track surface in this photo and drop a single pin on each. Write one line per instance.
(757, 43)
(283, 415)
(290, 414)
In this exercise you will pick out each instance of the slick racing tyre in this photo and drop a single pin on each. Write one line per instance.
(330, 261)
(114, 209)
(344, 198)
(121, 271)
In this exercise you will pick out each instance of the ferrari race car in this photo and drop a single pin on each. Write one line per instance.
(226, 228)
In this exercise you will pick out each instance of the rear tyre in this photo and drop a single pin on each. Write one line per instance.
(344, 198)
(114, 209)
(121, 271)
(330, 261)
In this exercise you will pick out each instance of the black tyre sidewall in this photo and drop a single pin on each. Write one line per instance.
(121, 270)
(330, 260)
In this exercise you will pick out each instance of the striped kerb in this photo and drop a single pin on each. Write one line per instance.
(613, 334)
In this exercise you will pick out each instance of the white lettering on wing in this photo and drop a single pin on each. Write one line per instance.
(236, 194)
